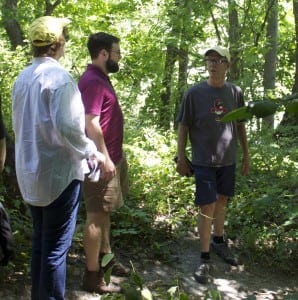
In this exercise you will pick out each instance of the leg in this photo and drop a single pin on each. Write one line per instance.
(225, 188)
(205, 225)
(205, 198)
(96, 238)
(36, 213)
(59, 220)
(219, 214)
(116, 190)
(7, 251)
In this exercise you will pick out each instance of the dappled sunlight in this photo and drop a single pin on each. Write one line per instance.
(231, 288)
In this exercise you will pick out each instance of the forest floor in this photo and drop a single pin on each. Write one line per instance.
(247, 281)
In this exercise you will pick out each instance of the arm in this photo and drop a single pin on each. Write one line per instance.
(244, 145)
(182, 166)
(95, 133)
(69, 120)
(2, 153)
(2, 144)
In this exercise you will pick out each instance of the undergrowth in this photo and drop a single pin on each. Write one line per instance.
(262, 217)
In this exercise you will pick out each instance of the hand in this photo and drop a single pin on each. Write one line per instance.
(100, 158)
(108, 171)
(182, 167)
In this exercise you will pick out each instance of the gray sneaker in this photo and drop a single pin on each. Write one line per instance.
(225, 253)
(202, 272)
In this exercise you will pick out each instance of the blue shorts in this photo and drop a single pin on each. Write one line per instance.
(213, 181)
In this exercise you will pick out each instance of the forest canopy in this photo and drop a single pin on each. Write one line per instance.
(162, 48)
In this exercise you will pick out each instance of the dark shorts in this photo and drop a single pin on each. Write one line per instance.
(103, 196)
(213, 181)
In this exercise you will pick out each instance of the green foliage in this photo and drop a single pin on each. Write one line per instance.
(9, 69)
(264, 215)
(261, 109)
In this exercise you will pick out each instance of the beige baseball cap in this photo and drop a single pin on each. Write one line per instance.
(46, 30)
(222, 51)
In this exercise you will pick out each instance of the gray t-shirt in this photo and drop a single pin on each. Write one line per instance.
(213, 142)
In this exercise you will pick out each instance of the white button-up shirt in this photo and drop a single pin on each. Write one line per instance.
(49, 124)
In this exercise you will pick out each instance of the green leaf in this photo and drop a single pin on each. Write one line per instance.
(237, 114)
(137, 280)
(183, 296)
(262, 109)
(106, 259)
(132, 294)
(292, 107)
(108, 274)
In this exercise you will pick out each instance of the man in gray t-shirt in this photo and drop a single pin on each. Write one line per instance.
(214, 145)
(213, 142)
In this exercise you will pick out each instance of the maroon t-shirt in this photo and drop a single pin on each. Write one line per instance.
(100, 99)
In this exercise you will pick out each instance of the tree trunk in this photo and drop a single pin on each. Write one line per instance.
(182, 79)
(11, 25)
(295, 10)
(270, 56)
(234, 41)
(171, 57)
(51, 6)
(292, 119)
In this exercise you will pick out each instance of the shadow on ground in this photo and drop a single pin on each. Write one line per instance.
(233, 283)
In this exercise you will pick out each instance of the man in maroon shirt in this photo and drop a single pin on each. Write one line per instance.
(104, 125)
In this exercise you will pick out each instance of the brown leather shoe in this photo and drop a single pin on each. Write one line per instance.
(118, 269)
(93, 282)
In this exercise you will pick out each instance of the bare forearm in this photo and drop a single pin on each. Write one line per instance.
(242, 137)
(182, 140)
(94, 132)
(2, 154)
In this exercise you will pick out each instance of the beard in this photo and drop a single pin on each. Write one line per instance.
(112, 66)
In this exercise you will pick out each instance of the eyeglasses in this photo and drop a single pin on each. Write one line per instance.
(214, 61)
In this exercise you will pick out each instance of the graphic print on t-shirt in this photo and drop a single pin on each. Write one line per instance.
(218, 109)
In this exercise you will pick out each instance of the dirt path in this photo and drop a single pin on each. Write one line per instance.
(233, 282)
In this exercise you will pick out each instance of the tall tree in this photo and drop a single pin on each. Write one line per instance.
(170, 61)
(269, 74)
(292, 119)
(234, 39)
(11, 25)
(295, 10)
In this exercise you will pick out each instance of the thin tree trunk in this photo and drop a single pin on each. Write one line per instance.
(270, 56)
(182, 78)
(11, 25)
(295, 10)
(292, 119)
(171, 57)
(234, 41)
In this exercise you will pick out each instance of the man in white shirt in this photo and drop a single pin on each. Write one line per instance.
(51, 151)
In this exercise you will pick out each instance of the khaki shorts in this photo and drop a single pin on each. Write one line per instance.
(107, 196)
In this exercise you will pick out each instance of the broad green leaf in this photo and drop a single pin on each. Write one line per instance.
(106, 259)
(237, 114)
(108, 274)
(262, 109)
